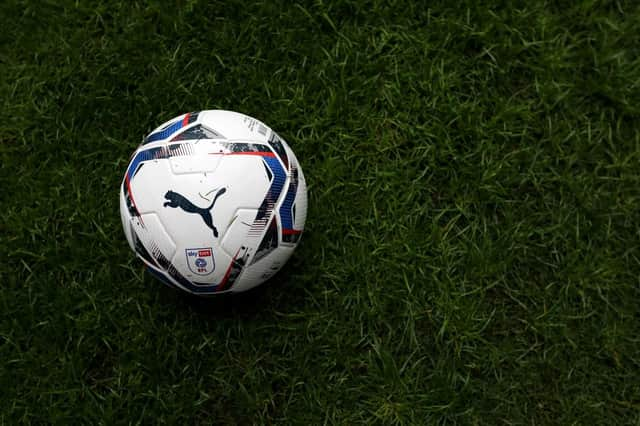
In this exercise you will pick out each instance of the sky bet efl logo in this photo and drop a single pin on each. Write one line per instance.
(200, 260)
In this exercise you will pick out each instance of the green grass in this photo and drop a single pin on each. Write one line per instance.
(472, 251)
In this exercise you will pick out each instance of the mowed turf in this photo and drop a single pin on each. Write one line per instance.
(472, 245)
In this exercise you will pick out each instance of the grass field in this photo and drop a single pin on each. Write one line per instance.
(472, 251)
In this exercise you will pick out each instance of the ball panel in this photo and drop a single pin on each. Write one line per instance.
(125, 219)
(234, 125)
(264, 269)
(278, 146)
(247, 181)
(202, 265)
(293, 208)
(141, 250)
(300, 204)
(270, 241)
(196, 132)
(236, 234)
(202, 163)
(155, 238)
(146, 186)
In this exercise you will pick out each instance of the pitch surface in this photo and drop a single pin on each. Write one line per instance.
(471, 250)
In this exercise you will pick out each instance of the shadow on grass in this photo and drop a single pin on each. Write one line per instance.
(246, 305)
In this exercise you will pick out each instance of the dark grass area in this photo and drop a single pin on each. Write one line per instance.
(472, 246)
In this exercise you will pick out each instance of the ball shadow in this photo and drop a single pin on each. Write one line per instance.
(246, 305)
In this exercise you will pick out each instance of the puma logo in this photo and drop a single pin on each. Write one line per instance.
(178, 200)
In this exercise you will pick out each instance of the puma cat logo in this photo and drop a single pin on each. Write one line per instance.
(178, 200)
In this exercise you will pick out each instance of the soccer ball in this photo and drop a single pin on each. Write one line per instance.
(213, 201)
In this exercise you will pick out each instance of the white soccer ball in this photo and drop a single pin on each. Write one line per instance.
(213, 201)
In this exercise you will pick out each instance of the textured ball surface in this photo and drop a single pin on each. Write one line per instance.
(213, 201)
